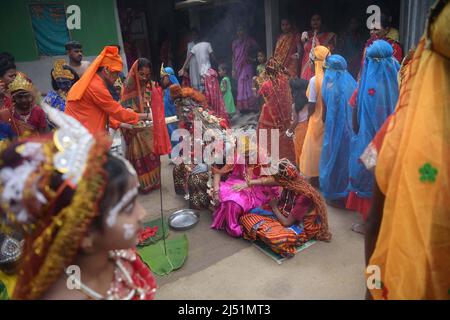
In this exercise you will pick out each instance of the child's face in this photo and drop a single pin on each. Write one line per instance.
(124, 232)
(261, 58)
(222, 72)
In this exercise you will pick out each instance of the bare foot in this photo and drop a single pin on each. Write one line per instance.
(359, 228)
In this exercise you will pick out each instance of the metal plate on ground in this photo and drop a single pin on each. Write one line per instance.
(184, 219)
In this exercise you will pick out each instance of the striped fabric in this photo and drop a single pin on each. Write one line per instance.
(281, 240)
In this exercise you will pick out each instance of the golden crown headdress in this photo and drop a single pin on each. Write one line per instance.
(60, 72)
(20, 83)
(163, 73)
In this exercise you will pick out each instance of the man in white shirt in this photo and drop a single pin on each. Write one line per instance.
(202, 52)
(74, 51)
(194, 73)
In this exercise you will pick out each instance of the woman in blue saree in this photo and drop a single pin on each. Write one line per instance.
(337, 88)
(168, 78)
(377, 97)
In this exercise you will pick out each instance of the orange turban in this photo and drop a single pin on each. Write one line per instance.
(108, 58)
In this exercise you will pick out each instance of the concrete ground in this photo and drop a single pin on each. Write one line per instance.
(220, 267)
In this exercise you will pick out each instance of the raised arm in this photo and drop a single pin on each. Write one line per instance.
(183, 68)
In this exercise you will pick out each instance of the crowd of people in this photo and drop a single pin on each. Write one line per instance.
(373, 140)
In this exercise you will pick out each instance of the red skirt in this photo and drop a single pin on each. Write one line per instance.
(358, 204)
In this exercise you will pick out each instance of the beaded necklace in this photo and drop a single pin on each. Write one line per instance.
(122, 277)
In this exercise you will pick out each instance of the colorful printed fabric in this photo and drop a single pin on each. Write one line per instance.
(276, 114)
(280, 239)
(55, 100)
(145, 145)
(286, 47)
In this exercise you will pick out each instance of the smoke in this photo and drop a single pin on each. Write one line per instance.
(219, 25)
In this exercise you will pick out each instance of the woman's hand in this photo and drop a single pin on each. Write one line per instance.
(215, 196)
(240, 186)
(144, 116)
(126, 126)
(181, 72)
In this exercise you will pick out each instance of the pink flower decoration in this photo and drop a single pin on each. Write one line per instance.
(372, 92)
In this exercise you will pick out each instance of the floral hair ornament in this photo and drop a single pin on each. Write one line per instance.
(74, 143)
(51, 188)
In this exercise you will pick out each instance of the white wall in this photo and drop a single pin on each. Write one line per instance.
(39, 71)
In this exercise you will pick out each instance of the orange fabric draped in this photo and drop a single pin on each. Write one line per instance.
(413, 246)
(96, 105)
(109, 58)
(312, 146)
(90, 102)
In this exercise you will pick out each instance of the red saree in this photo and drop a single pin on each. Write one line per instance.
(286, 47)
(326, 39)
(34, 124)
(276, 114)
(214, 96)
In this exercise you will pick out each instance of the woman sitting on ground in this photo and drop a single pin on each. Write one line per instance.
(298, 216)
(244, 189)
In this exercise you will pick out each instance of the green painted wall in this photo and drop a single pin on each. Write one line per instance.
(98, 27)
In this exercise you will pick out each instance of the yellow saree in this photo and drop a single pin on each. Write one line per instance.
(312, 146)
(413, 246)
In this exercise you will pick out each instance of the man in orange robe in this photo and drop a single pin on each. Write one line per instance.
(90, 102)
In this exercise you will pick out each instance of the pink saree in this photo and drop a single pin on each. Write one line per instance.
(233, 204)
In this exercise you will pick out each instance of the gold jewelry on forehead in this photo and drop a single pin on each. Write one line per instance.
(60, 72)
(20, 83)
